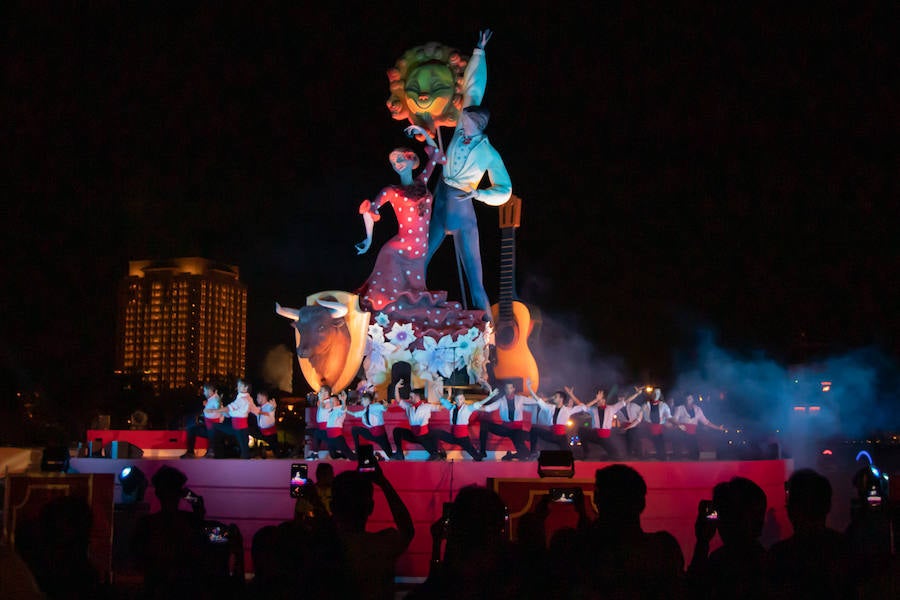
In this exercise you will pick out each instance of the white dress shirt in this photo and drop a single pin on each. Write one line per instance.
(501, 404)
(611, 410)
(374, 417)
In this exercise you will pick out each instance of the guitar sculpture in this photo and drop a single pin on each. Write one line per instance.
(516, 323)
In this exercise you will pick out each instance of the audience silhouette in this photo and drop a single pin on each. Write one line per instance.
(334, 555)
(814, 561)
(622, 560)
(736, 570)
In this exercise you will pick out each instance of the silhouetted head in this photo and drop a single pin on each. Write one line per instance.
(352, 499)
(620, 494)
(324, 474)
(509, 389)
(477, 520)
(168, 485)
(808, 498)
(741, 505)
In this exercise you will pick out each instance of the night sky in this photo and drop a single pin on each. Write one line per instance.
(681, 168)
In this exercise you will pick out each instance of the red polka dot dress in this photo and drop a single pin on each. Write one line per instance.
(400, 266)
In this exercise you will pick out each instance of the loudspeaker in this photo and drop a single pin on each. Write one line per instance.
(556, 463)
(117, 449)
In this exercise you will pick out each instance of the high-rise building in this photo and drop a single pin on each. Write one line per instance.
(181, 321)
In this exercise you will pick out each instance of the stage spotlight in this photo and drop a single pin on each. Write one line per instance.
(556, 463)
(55, 459)
(134, 484)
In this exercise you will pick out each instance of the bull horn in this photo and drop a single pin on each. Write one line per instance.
(291, 313)
(337, 309)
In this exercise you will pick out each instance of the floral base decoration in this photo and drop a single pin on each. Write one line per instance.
(435, 355)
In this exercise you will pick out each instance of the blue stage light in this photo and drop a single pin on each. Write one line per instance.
(134, 484)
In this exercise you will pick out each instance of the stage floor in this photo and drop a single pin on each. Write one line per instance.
(255, 493)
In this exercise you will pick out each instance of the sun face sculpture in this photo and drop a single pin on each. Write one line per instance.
(426, 86)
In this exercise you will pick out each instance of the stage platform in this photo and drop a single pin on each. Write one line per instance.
(255, 493)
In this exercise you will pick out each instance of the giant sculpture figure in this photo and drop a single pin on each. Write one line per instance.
(469, 156)
(393, 318)
(400, 266)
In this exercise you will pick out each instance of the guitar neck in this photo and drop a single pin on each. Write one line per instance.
(507, 273)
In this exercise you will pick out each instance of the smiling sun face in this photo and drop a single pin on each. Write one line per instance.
(425, 86)
(429, 89)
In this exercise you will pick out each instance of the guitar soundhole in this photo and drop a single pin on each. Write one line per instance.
(505, 335)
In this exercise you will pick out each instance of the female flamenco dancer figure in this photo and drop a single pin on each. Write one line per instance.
(400, 266)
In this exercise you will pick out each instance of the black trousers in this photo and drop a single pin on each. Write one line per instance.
(241, 435)
(542, 433)
(199, 430)
(463, 442)
(609, 444)
(516, 435)
(318, 439)
(658, 441)
(339, 444)
(633, 443)
(272, 441)
(365, 432)
(684, 443)
(427, 441)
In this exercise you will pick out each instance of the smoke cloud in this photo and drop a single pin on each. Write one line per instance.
(566, 358)
(278, 367)
(847, 395)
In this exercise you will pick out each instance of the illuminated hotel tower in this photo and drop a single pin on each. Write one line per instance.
(181, 321)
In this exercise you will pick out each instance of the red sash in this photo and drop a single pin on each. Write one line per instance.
(322, 424)
(239, 422)
(460, 431)
(655, 429)
(377, 430)
(335, 432)
(419, 429)
(210, 424)
(558, 429)
(603, 433)
(690, 429)
(515, 424)
(267, 431)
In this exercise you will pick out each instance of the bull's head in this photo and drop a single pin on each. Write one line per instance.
(322, 336)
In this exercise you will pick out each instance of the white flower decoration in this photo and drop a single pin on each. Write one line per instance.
(401, 335)
(377, 352)
(435, 357)
(382, 319)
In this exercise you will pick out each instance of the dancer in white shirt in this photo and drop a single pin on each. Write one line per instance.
(657, 419)
(511, 407)
(418, 413)
(601, 424)
(236, 427)
(334, 429)
(264, 409)
(211, 404)
(687, 417)
(460, 412)
(560, 412)
(372, 416)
